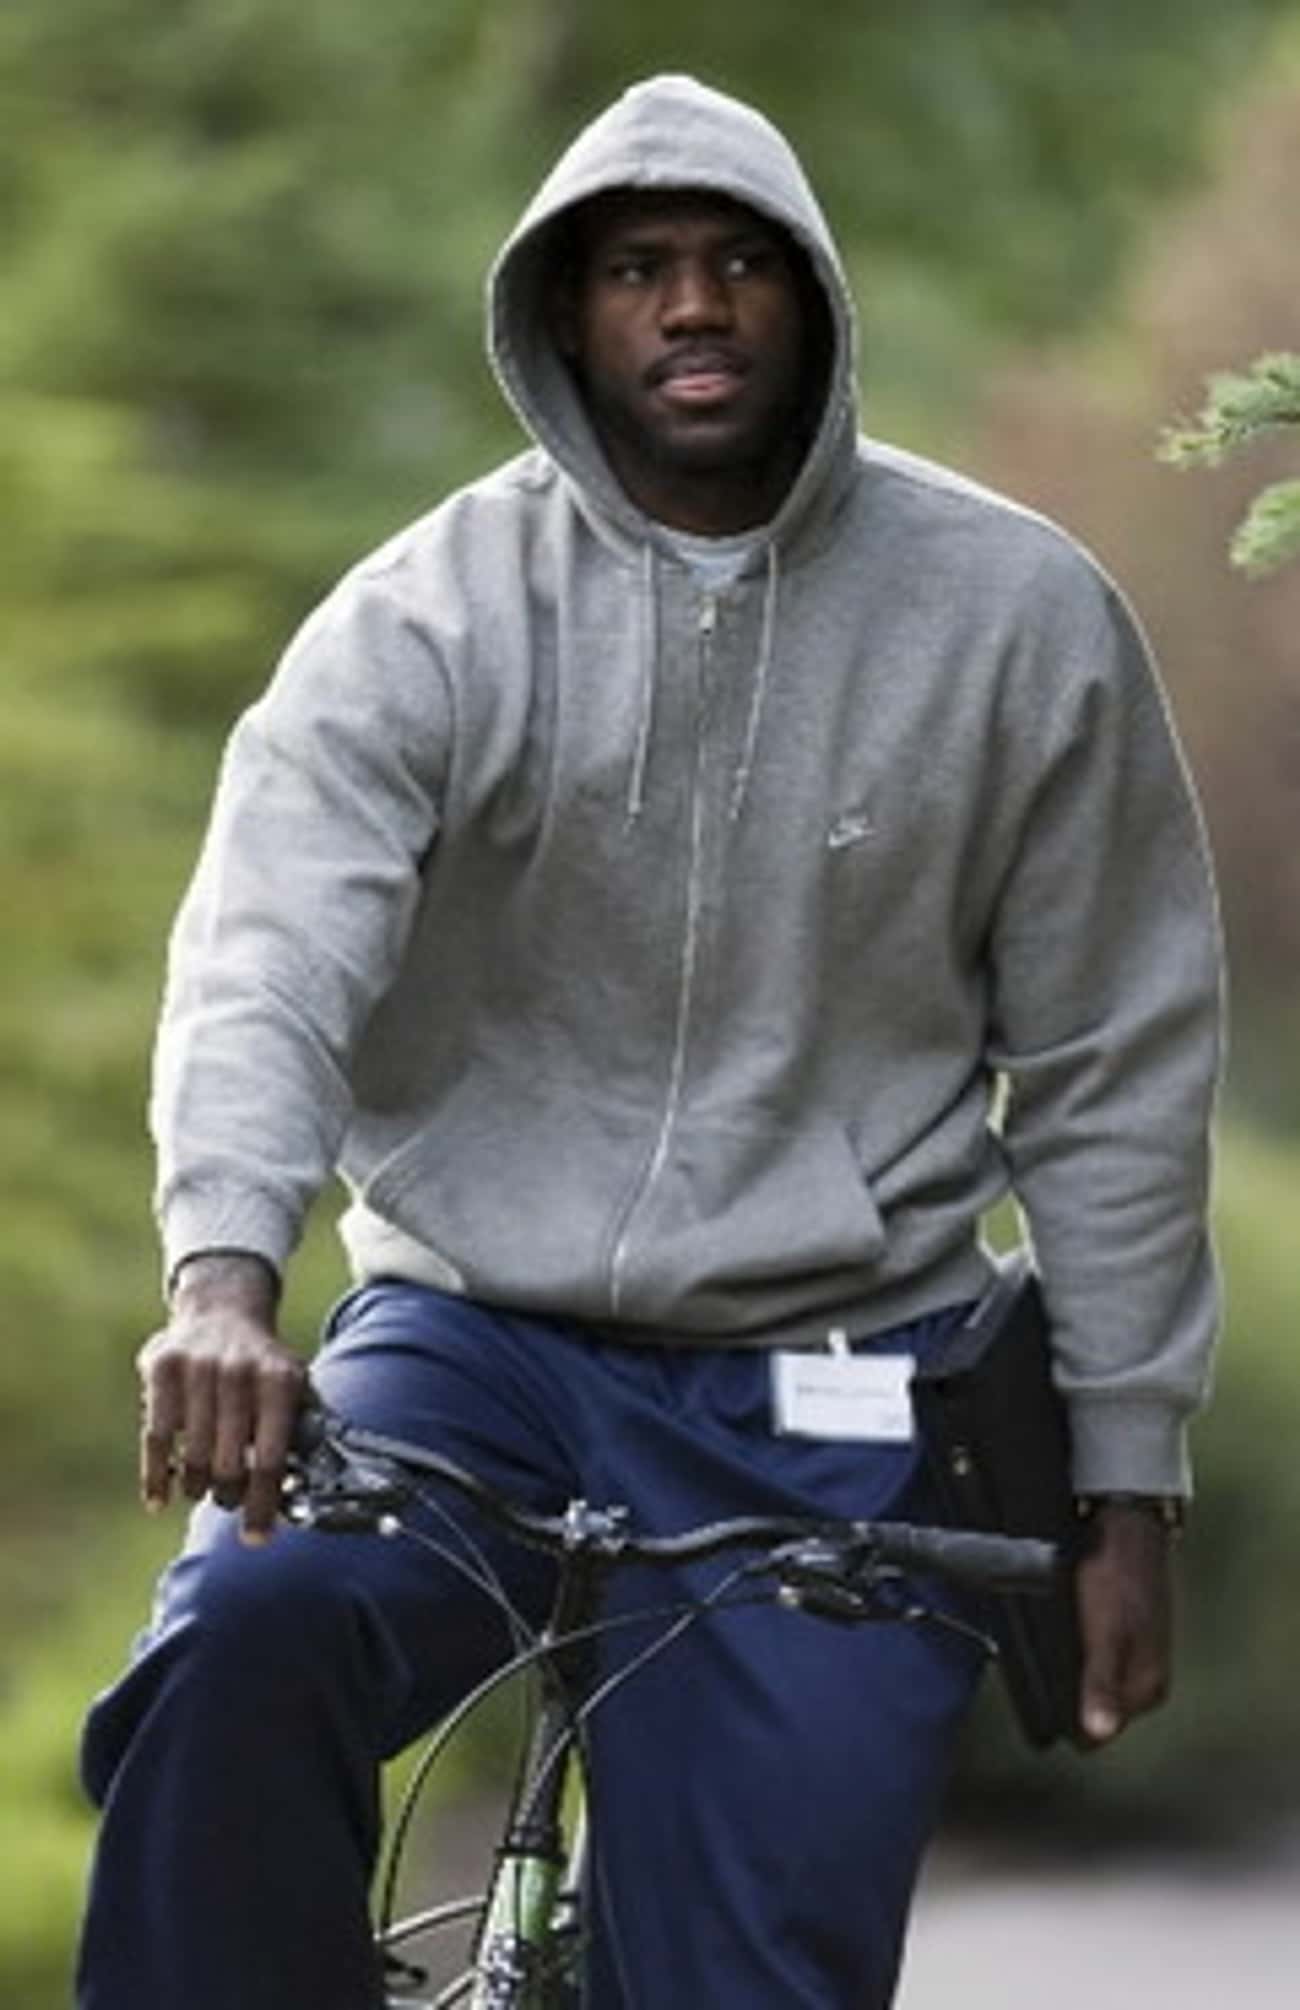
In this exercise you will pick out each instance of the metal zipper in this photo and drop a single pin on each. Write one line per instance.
(706, 625)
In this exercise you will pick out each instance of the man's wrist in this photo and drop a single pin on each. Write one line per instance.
(1170, 1510)
(225, 1276)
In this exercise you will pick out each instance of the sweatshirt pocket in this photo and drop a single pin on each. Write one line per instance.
(748, 1224)
(513, 1189)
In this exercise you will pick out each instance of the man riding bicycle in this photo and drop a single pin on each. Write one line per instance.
(640, 880)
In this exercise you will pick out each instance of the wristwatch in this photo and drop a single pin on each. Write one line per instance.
(1170, 1510)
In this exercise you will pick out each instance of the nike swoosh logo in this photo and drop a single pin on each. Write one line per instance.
(849, 829)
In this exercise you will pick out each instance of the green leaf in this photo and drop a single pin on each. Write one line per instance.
(1269, 534)
(1239, 405)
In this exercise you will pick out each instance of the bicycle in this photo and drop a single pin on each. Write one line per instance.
(527, 1943)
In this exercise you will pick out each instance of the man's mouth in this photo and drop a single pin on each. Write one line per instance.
(697, 376)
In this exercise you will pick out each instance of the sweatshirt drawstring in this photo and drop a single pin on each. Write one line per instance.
(745, 766)
(649, 655)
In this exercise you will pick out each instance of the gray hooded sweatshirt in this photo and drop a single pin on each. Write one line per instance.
(652, 955)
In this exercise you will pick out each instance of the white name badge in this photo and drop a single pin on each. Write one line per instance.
(842, 1395)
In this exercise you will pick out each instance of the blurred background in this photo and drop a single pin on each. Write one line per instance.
(241, 254)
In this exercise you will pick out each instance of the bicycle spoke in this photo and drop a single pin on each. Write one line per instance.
(429, 1921)
(455, 1992)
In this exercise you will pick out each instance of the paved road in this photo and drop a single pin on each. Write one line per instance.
(1162, 1936)
(1191, 1934)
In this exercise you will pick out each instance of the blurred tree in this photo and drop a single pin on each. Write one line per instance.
(1072, 432)
(1006, 149)
(239, 321)
(1238, 408)
(235, 334)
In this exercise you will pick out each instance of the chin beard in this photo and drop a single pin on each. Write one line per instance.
(694, 455)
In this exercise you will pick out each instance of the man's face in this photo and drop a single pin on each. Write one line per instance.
(685, 321)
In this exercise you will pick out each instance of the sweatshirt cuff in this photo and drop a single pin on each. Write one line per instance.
(199, 1220)
(1125, 1447)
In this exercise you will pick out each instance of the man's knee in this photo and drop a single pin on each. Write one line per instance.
(245, 1644)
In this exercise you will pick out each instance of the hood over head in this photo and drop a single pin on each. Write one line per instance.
(669, 133)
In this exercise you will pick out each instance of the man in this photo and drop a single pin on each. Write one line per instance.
(637, 880)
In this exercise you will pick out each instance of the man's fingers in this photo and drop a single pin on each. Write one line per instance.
(1106, 1646)
(1121, 1689)
(1124, 1594)
(1146, 1680)
(199, 1428)
(220, 1395)
(279, 1395)
(1102, 1713)
(163, 1395)
(233, 1435)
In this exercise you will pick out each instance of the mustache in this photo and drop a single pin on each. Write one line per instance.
(690, 359)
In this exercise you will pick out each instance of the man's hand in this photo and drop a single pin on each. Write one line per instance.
(220, 1392)
(1125, 1603)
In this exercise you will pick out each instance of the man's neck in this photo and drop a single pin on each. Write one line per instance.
(722, 504)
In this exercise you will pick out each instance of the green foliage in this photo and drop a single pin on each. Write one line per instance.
(1269, 534)
(1005, 152)
(239, 315)
(1238, 408)
(45, 1824)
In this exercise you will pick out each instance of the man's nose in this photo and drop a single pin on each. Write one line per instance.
(695, 297)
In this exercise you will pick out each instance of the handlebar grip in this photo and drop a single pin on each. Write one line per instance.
(993, 1562)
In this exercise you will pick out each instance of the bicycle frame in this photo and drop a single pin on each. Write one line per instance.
(527, 1952)
(527, 1948)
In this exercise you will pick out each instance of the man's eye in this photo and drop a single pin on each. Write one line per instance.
(630, 271)
(750, 262)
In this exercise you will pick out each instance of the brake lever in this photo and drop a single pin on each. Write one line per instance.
(832, 1581)
(329, 1489)
(847, 1585)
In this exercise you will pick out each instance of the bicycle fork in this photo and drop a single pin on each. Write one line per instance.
(528, 1953)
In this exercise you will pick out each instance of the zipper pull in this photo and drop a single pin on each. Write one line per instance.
(708, 615)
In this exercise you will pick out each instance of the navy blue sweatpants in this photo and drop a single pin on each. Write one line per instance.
(764, 1787)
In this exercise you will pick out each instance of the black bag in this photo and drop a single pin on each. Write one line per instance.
(994, 1430)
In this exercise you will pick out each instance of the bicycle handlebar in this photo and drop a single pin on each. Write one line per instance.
(347, 1478)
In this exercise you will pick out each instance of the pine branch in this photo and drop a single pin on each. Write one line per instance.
(1238, 407)
(1269, 534)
